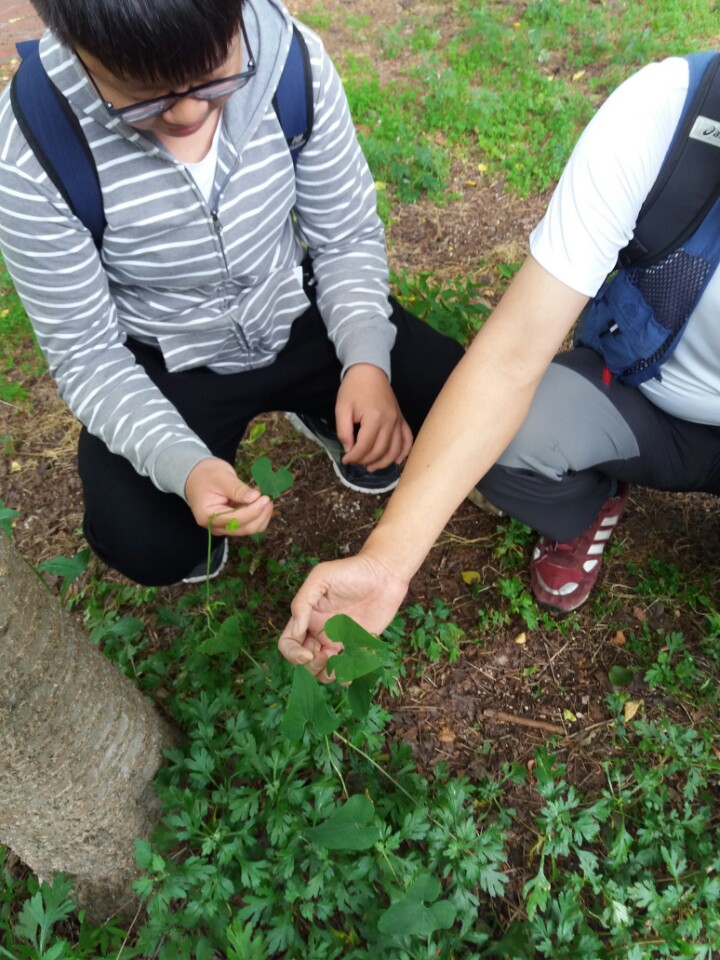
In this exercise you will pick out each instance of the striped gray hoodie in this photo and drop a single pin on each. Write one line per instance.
(214, 285)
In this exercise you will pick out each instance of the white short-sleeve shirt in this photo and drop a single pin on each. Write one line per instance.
(592, 215)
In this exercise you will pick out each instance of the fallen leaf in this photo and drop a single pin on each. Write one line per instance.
(470, 576)
(446, 735)
(521, 638)
(618, 639)
(630, 708)
(482, 167)
(578, 75)
(569, 716)
(15, 467)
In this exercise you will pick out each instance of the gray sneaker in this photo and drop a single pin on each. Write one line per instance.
(352, 475)
(204, 571)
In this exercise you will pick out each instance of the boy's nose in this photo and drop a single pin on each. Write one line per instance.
(187, 111)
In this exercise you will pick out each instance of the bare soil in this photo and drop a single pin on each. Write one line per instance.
(506, 695)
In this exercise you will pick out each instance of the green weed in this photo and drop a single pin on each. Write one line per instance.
(661, 581)
(33, 922)
(562, 58)
(432, 632)
(456, 309)
(520, 603)
(7, 516)
(19, 353)
(513, 544)
(282, 779)
(241, 778)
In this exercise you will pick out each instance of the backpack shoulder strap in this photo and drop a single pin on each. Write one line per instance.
(293, 100)
(56, 138)
(689, 180)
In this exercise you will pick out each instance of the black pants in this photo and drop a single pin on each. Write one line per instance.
(581, 437)
(151, 536)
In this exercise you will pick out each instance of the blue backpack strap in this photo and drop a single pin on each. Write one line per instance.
(56, 138)
(293, 100)
(688, 184)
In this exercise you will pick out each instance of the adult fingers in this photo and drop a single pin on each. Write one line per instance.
(306, 654)
(292, 649)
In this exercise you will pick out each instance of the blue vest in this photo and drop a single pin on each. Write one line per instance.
(640, 313)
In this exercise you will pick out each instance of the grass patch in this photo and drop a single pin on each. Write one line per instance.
(513, 88)
(20, 357)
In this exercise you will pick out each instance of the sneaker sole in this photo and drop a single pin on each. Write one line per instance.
(545, 598)
(301, 428)
(215, 573)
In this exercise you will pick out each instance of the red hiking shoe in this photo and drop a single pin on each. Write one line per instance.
(563, 574)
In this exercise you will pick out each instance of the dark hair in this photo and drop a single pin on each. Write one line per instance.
(148, 40)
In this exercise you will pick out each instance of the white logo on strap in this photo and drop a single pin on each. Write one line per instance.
(706, 130)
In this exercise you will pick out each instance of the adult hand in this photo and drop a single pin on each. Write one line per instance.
(361, 587)
(366, 399)
(213, 489)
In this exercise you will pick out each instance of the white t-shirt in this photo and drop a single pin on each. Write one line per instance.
(203, 172)
(592, 215)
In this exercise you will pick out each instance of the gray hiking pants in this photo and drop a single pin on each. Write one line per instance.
(581, 436)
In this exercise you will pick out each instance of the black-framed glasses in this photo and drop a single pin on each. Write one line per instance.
(147, 109)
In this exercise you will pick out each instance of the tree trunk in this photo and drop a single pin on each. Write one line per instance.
(79, 747)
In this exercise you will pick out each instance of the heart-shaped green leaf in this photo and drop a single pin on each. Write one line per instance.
(360, 693)
(348, 828)
(620, 676)
(363, 653)
(307, 707)
(418, 912)
(231, 638)
(271, 482)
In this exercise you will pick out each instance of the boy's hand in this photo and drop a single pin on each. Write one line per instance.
(366, 399)
(214, 489)
(361, 587)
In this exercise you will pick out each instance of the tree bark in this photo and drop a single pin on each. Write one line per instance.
(79, 747)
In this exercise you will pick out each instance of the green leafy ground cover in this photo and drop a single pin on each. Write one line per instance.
(295, 826)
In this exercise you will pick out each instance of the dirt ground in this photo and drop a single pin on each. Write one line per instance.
(505, 696)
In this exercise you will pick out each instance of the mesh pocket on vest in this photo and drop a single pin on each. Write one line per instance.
(671, 287)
